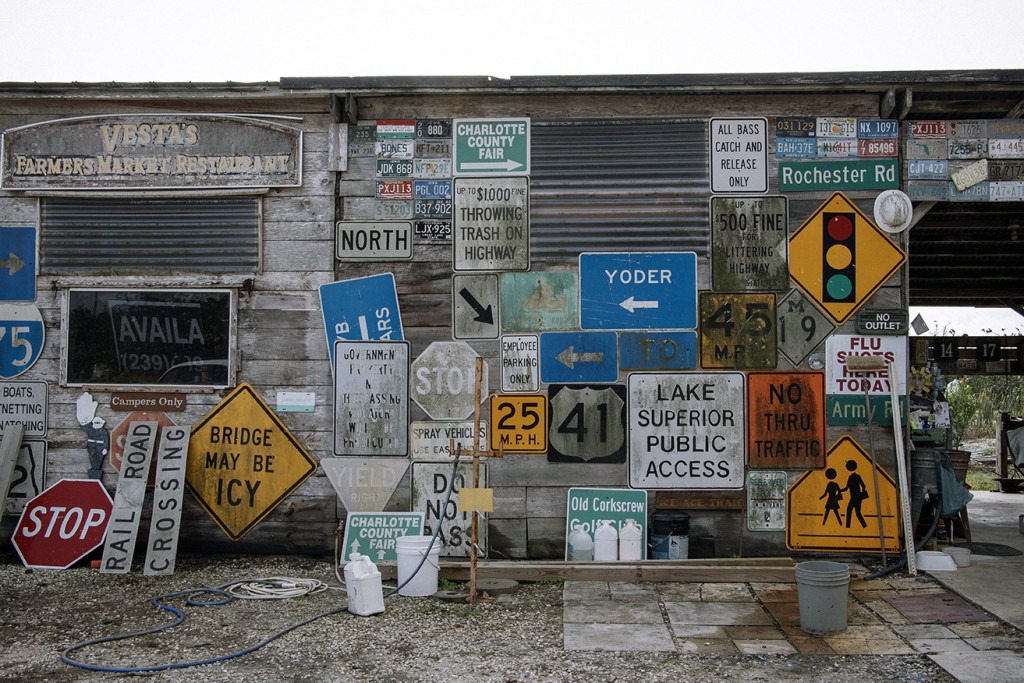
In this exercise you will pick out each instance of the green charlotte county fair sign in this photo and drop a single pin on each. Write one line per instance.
(491, 147)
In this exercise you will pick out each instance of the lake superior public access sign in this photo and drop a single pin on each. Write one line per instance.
(686, 431)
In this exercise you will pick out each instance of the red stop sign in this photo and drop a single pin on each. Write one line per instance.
(63, 524)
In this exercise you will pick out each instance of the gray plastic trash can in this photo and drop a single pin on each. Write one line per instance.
(823, 592)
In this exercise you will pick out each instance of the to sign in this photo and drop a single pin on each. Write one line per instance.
(520, 362)
(834, 509)
(539, 301)
(785, 419)
(802, 327)
(739, 156)
(686, 430)
(839, 257)
(657, 350)
(737, 331)
(492, 146)
(445, 380)
(588, 423)
(243, 461)
(362, 309)
(21, 338)
(63, 524)
(375, 534)
(578, 357)
(379, 241)
(748, 244)
(638, 291)
(17, 264)
(492, 224)
(518, 423)
(475, 306)
(371, 398)
(590, 507)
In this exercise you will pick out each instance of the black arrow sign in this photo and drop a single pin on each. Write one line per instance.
(483, 315)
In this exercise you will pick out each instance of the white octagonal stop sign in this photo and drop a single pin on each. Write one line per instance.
(444, 380)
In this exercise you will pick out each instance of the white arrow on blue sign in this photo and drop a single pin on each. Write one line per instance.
(638, 291)
(572, 357)
(17, 264)
(362, 309)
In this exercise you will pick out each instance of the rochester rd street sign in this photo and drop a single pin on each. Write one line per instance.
(491, 146)
(243, 461)
(638, 291)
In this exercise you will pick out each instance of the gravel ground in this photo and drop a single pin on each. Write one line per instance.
(517, 637)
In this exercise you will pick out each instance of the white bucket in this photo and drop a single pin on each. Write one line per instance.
(410, 551)
(961, 556)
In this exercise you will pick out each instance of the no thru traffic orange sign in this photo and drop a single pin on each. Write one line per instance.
(242, 462)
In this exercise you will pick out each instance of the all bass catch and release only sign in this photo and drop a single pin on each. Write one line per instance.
(686, 431)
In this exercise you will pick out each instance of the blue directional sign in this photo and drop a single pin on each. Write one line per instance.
(21, 338)
(638, 291)
(573, 357)
(17, 264)
(658, 350)
(362, 309)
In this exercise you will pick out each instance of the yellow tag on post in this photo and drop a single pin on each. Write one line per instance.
(481, 500)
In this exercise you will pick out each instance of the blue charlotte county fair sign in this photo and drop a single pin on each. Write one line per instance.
(363, 309)
(572, 357)
(638, 291)
(17, 264)
(21, 338)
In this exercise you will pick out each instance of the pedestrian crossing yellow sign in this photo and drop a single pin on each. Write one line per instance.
(838, 509)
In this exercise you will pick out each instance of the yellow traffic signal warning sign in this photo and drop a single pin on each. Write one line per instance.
(834, 509)
(243, 461)
(839, 257)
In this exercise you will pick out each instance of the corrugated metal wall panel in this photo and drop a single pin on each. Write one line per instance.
(83, 235)
(619, 185)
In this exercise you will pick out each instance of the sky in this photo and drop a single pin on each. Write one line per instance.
(204, 41)
(256, 40)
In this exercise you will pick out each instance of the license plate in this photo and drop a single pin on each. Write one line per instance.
(926, 148)
(1005, 148)
(928, 190)
(395, 149)
(392, 189)
(829, 127)
(877, 148)
(1006, 170)
(970, 175)
(928, 169)
(362, 149)
(1006, 128)
(393, 209)
(432, 208)
(362, 133)
(975, 193)
(927, 130)
(432, 189)
(432, 168)
(795, 127)
(433, 150)
(394, 168)
(795, 148)
(433, 230)
(837, 147)
(396, 128)
(1006, 191)
(878, 128)
(967, 128)
(434, 128)
(966, 148)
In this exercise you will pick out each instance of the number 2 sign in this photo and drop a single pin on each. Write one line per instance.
(21, 338)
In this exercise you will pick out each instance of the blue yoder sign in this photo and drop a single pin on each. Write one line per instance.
(638, 291)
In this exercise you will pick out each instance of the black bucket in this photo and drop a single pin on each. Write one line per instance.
(669, 535)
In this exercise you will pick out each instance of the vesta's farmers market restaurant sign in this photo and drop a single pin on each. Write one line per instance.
(151, 151)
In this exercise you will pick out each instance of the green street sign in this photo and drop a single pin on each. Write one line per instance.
(489, 147)
(590, 507)
(842, 409)
(374, 534)
(845, 174)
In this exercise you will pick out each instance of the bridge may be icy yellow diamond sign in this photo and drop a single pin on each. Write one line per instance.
(242, 462)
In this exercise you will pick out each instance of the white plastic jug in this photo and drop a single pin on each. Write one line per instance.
(630, 541)
(581, 545)
(362, 581)
(606, 542)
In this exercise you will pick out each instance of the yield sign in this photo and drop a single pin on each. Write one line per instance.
(243, 461)
(839, 257)
(834, 509)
